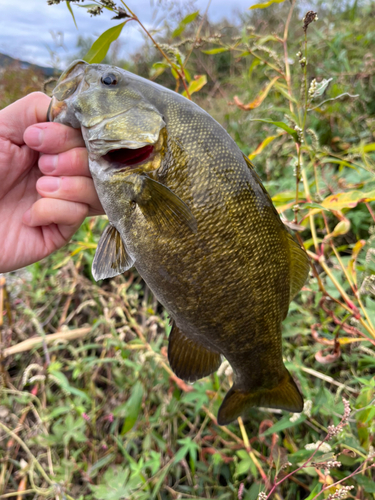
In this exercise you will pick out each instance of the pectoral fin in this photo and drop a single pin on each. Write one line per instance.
(162, 207)
(111, 257)
(188, 359)
(284, 396)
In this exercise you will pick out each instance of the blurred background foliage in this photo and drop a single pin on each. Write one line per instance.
(94, 410)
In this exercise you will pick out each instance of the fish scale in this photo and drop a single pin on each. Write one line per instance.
(198, 225)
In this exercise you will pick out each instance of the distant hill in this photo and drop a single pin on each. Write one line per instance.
(7, 61)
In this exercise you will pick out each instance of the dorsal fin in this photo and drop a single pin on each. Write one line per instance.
(189, 359)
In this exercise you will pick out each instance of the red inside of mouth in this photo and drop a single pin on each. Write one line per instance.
(129, 157)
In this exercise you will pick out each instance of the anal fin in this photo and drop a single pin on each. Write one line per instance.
(111, 257)
(285, 396)
(188, 359)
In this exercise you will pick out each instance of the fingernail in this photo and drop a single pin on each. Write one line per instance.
(34, 137)
(49, 184)
(27, 217)
(48, 163)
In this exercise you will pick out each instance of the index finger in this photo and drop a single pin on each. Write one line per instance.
(16, 117)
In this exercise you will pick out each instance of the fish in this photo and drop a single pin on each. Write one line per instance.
(187, 209)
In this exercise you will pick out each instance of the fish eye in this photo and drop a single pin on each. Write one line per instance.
(109, 79)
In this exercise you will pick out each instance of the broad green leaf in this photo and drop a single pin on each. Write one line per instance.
(284, 423)
(190, 17)
(282, 125)
(315, 491)
(158, 68)
(367, 483)
(265, 5)
(115, 485)
(71, 12)
(196, 85)
(187, 20)
(364, 148)
(218, 50)
(132, 407)
(101, 46)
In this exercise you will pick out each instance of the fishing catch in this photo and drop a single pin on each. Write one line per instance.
(188, 210)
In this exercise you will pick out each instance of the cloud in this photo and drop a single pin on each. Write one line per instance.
(26, 32)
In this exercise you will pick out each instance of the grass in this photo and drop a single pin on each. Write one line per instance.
(97, 413)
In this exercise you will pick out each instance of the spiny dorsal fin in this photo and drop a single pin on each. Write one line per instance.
(163, 207)
(188, 359)
(299, 266)
(285, 396)
(111, 257)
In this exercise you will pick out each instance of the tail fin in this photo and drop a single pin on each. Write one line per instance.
(284, 396)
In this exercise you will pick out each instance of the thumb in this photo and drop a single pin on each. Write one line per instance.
(14, 119)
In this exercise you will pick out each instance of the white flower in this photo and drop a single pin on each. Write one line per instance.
(324, 447)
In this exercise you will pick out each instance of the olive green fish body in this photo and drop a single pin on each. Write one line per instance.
(217, 256)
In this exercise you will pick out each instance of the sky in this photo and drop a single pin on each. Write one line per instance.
(29, 29)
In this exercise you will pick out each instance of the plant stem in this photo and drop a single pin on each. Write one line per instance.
(198, 33)
(286, 58)
(27, 450)
(250, 452)
(172, 64)
(305, 84)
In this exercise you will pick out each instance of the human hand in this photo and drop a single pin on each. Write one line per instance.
(39, 214)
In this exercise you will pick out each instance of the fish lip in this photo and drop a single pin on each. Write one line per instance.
(55, 108)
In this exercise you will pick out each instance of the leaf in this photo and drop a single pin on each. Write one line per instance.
(101, 46)
(314, 205)
(63, 382)
(364, 148)
(282, 125)
(315, 491)
(259, 98)
(187, 20)
(71, 12)
(284, 91)
(263, 144)
(189, 446)
(367, 483)
(351, 266)
(158, 68)
(131, 408)
(196, 84)
(350, 199)
(321, 87)
(265, 5)
(115, 485)
(283, 424)
(218, 50)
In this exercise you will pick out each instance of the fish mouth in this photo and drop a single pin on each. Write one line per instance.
(129, 158)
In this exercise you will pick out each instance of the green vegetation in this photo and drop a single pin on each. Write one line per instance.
(96, 412)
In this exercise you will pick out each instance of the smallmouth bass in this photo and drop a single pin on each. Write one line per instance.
(188, 210)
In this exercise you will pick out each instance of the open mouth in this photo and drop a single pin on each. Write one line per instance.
(129, 157)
